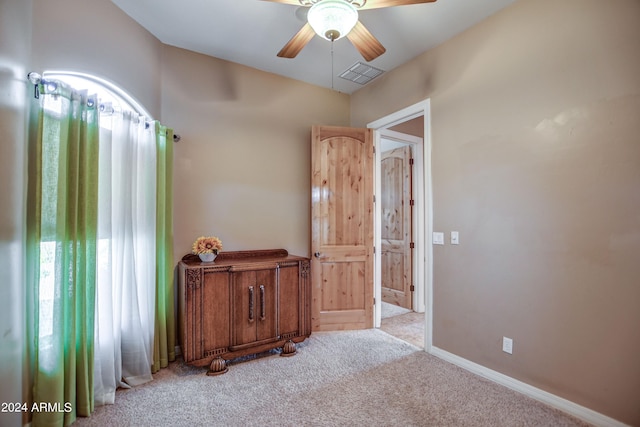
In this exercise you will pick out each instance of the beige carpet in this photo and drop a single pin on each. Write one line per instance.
(349, 378)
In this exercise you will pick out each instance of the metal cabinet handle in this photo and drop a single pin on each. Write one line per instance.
(263, 314)
(251, 304)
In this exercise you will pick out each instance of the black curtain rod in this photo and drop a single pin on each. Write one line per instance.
(36, 79)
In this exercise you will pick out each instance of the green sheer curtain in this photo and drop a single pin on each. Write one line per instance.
(61, 252)
(67, 366)
(165, 331)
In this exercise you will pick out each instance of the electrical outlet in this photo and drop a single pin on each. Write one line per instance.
(507, 345)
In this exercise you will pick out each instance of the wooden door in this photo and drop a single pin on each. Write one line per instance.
(254, 307)
(395, 178)
(342, 228)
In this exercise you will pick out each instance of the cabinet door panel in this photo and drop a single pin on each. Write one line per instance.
(216, 313)
(289, 309)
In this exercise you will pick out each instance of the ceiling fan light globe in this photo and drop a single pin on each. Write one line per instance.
(332, 19)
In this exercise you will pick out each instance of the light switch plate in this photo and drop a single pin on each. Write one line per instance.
(438, 238)
(455, 238)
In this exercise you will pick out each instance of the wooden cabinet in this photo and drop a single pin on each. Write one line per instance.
(243, 303)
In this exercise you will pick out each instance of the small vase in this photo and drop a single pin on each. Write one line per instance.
(207, 257)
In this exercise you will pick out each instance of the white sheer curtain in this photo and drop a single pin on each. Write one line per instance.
(126, 254)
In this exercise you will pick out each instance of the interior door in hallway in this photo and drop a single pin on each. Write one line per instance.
(342, 228)
(396, 236)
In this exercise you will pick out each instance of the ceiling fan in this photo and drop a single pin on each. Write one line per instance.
(334, 19)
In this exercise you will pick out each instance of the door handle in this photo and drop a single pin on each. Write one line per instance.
(317, 254)
(262, 307)
(250, 303)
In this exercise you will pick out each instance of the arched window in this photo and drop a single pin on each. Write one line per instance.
(108, 93)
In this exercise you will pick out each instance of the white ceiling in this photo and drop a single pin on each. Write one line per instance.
(251, 32)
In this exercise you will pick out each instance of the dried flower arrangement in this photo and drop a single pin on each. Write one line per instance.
(206, 245)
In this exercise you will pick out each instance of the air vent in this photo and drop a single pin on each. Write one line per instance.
(361, 73)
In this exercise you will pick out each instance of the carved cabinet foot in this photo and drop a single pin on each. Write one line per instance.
(288, 349)
(218, 367)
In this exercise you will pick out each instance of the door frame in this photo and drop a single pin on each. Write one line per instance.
(423, 215)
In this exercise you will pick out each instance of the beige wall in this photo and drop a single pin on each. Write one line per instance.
(413, 127)
(242, 169)
(96, 37)
(15, 42)
(536, 161)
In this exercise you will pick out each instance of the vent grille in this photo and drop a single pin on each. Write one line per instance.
(215, 352)
(361, 73)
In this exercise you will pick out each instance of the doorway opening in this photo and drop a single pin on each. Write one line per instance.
(409, 127)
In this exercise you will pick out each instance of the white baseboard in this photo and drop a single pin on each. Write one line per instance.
(557, 402)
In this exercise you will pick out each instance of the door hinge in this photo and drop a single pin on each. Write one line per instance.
(412, 288)
(374, 249)
(412, 202)
(411, 161)
(374, 198)
(412, 245)
(374, 301)
(374, 149)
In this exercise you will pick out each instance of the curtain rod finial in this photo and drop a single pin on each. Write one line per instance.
(34, 77)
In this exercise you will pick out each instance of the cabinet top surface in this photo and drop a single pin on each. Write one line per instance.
(228, 259)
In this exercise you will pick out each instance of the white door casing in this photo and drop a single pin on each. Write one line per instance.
(423, 222)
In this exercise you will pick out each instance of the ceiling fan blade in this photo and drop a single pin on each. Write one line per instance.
(378, 4)
(297, 42)
(292, 2)
(368, 46)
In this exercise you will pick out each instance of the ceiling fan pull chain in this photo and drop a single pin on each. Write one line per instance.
(332, 65)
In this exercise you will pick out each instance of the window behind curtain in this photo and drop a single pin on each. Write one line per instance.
(126, 247)
(109, 97)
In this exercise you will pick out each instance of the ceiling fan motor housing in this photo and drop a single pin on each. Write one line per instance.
(332, 19)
